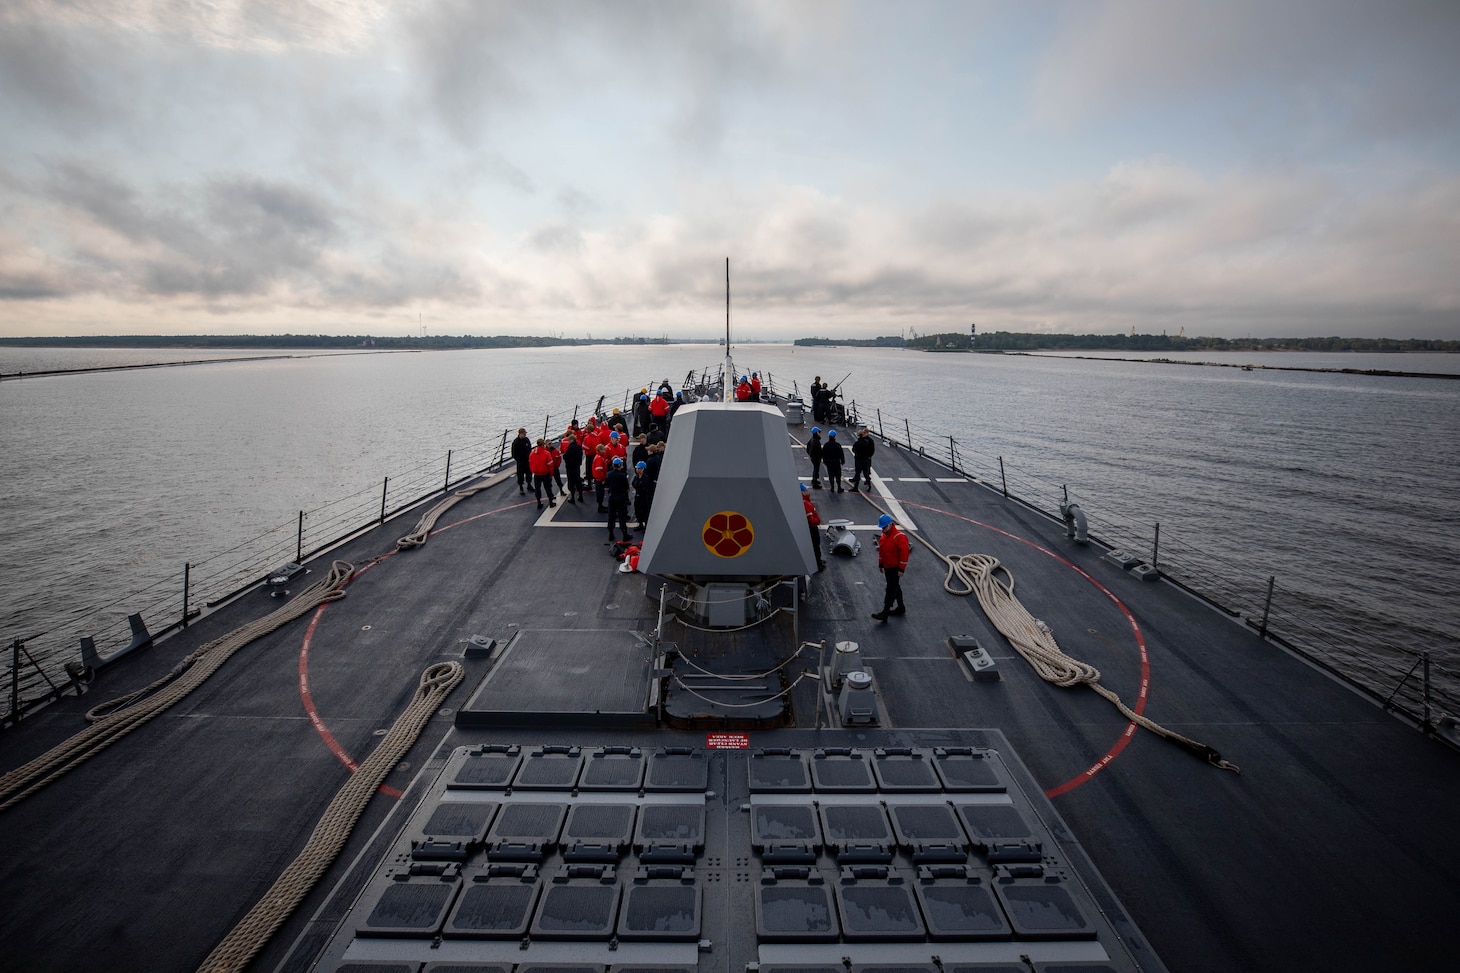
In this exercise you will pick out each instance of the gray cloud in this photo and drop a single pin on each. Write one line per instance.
(1316, 70)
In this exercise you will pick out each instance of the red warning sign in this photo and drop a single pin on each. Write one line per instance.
(727, 741)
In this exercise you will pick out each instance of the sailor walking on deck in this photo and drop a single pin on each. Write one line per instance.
(893, 551)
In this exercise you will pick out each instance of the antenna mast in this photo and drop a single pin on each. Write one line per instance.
(728, 393)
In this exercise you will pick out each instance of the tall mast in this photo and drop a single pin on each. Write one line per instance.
(728, 394)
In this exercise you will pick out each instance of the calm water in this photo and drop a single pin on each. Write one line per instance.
(1339, 485)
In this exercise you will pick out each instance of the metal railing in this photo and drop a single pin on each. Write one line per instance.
(1403, 679)
(41, 667)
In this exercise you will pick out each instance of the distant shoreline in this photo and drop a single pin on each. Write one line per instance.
(1376, 372)
(12, 376)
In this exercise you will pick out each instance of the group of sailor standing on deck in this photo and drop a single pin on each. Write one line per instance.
(598, 453)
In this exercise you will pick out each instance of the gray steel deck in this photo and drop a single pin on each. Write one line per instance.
(1334, 849)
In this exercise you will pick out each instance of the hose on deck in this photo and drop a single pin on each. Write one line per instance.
(252, 933)
(142, 706)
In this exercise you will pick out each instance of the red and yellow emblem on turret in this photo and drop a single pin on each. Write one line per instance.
(728, 534)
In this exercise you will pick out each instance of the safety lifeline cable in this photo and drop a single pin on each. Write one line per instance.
(249, 936)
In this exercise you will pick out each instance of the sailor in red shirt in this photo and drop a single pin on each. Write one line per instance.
(600, 472)
(813, 521)
(541, 460)
(893, 551)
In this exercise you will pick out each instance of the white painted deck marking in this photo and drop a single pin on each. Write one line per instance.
(898, 514)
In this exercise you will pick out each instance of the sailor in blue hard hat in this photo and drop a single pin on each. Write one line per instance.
(833, 456)
(892, 554)
(813, 453)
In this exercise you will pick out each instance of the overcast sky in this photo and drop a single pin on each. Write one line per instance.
(368, 166)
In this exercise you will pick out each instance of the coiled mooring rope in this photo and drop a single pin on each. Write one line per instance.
(20, 783)
(1032, 638)
(334, 827)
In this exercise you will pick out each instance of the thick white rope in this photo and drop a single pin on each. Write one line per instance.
(418, 537)
(974, 574)
(1033, 640)
(249, 936)
(20, 783)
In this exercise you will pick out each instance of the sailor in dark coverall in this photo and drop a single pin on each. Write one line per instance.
(643, 493)
(833, 456)
(818, 413)
(862, 449)
(616, 486)
(892, 554)
(573, 458)
(521, 449)
(813, 452)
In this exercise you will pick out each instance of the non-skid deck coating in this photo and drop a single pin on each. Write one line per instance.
(1334, 849)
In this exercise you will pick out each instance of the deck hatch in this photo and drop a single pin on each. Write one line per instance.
(969, 770)
(905, 770)
(857, 832)
(930, 832)
(961, 910)
(577, 910)
(780, 824)
(453, 831)
(525, 832)
(841, 771)
(1043, 908)
(661, 912)
(613, 769)
(778, 771)
(800, 913)
(549, 769)
(677, 769)
(493, 909)
(410, 907)
(488, 767)
(879, 911)
(597, 832)
(670, 824)
(993, 824)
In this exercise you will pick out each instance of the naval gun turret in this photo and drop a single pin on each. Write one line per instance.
(727, 525)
